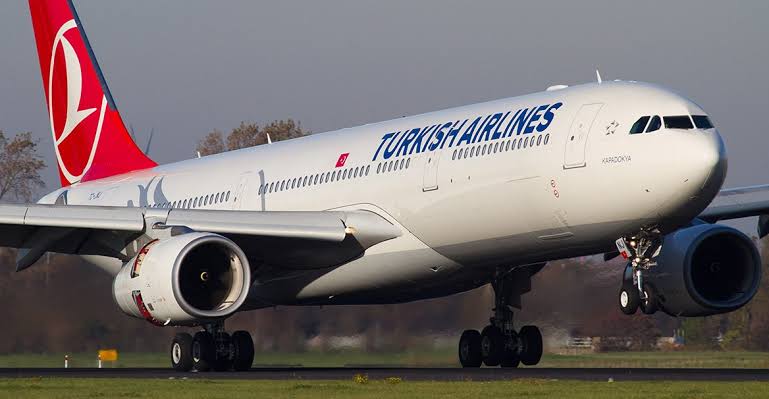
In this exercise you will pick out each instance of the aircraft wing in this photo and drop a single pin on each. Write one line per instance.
(738, 203)
(301, 240)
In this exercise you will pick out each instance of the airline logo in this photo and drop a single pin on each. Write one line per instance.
(342, 160)
(72, 113)
(481, 128)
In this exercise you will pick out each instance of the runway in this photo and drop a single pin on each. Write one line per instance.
(407, 374)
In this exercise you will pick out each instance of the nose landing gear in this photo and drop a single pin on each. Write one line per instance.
(641, 250)
(499, 344)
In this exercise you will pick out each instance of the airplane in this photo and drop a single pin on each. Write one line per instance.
(403, 210)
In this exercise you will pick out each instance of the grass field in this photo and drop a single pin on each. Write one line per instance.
(434, 358)
(190, 389)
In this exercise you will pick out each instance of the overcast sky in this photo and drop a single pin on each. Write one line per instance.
(186, 67)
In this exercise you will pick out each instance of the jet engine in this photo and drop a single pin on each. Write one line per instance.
(184, 280)
(705, 269)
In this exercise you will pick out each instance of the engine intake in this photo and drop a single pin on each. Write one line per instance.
(704, 270)
(184, 280)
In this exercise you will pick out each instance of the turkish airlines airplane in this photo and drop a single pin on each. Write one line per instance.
(418, 207)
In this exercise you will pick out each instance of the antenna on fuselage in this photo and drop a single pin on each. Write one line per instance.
(598, 76)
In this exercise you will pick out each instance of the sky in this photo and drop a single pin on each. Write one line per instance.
(185, 67)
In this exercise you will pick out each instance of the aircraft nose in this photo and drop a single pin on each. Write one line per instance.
(710, 162)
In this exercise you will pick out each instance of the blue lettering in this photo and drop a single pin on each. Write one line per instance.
(438, 136)
(418, 142)
(404, 147)
(467, 136)
(384, 139)
(490, 126)
(520, 120)
(480, 129)
(548, 118)
(497, 134)
(534, 117)
(509, 124)
(389, 150)
(453, 133)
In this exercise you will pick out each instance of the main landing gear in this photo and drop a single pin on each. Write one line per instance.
(212, 349)
(499, 344)
(640, 250)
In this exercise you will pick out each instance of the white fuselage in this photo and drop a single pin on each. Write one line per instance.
(570, 187)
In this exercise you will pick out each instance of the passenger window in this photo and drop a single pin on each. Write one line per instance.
(547, 138)
(702, 122)
(378, 168)
(195, 203)
(368, 167)
(655, 124)
(408, 162)
(539, 140)
(228, 195)
(520, 143)
(526, 142)
(678, 122)
(184, 204)
(639, 125)
(403, 164)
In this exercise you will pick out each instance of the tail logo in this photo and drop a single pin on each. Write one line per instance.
(74, 116)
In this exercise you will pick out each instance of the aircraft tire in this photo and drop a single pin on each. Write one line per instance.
(470, 349)
(181, 352)
(244, 351)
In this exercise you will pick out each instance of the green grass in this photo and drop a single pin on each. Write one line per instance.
(427, 358)
(191, 389)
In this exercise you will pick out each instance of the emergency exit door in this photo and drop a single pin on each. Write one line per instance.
(576, 142)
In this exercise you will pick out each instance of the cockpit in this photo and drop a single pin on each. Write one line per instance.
(647, 124)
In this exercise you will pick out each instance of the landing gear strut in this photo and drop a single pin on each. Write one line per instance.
(212, 349)
(641, 251)
(499, 344)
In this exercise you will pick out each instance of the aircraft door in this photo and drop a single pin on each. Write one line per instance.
(241, 191)
(574, 156)
(430, 178)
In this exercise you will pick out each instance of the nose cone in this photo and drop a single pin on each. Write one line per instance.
(712, 164)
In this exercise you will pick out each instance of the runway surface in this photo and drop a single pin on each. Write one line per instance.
(407, 374)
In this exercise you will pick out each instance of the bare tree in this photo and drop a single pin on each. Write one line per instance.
(249, 135)
(20, 166)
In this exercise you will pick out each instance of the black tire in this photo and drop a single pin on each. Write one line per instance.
(243, 346)
(492, 346)
(203, 351)
(649, 304)
(531, 340)
(181, 352)
(470, 349)
(629, 300)
(223, 361)
(511, 359)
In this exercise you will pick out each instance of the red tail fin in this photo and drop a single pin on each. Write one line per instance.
(89, 135)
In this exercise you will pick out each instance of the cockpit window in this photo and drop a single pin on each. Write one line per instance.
(678, 122)
(655, 124)
(639, 125)
(702, 122)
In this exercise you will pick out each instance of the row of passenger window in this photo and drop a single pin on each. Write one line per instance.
(197, 202)
(394, 165)
(312, 180)
(507, 145)
(653, 123)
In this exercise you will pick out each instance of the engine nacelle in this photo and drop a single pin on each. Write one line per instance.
(184, 280)
(705, 269)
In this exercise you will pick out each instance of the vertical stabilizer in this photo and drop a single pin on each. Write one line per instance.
(90, 139)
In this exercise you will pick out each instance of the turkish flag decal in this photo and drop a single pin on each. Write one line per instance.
(342, 159)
